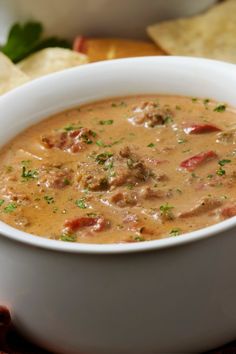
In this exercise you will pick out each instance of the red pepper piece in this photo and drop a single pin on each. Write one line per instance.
(229, 211)
(194, 161)
(80, 44)
(201, 129)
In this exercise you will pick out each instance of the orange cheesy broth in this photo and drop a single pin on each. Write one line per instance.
(122, 170)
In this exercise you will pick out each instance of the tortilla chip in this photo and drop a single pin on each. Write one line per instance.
(49, 60)
(210, 35)
(10, 75)
(113, 48)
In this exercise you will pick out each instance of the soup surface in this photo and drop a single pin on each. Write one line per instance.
(122, 170)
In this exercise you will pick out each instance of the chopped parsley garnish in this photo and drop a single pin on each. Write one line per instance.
(206, 101)
(81, 203)
(166, 210)
(175, 232)
(168, 120)
(181, 141)
(1, 202)
(194, 99)
(220, 172)
(224, 162)
(86, 139)
(30, 174)
(71, 127)
(151, 145)
(139, 239)
(179, 191)
(106, 122)
(92, 214)
(10, 208)
(49, 200)
(121, 104)
(220, 108)
(102, 144)
(68, 238)
(210, 176)
(102, 158)
(66, 182)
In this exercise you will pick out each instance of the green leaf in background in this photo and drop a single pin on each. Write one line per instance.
(25, 39)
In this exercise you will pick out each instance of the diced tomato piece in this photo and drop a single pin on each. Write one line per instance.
(99, 223)
(194, 161)
(201, 129)
(229, 211)
(80, 44)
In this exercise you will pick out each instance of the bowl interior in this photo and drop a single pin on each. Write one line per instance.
(40, 98)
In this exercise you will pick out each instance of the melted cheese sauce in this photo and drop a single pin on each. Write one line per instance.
(119, 170)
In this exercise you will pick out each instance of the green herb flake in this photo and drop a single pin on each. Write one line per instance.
(2, 201)
(194, 99)
(151, 145)
(166, 210)
(181, 141)
(139, 239)
(220, 172)
(71, 127)
(81, 203)
(10, 208)
(86, 139)
(121, 104)
(100, 143)
(66, 182)
(106, 122)
(179, 191)
(168, 120)
(224, 162)
(48, 199)
(68, 238)
(93, 215)
(220, 108)
(194, 175)
(175, 232)
(28, 175)
(103, 157)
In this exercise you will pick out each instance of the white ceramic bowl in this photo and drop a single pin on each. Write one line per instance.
(174, 295)
(124, 18)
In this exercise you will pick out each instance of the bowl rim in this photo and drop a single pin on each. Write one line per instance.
(9, 232)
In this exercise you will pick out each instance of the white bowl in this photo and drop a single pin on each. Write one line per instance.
(173, 295)
(125, 18)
